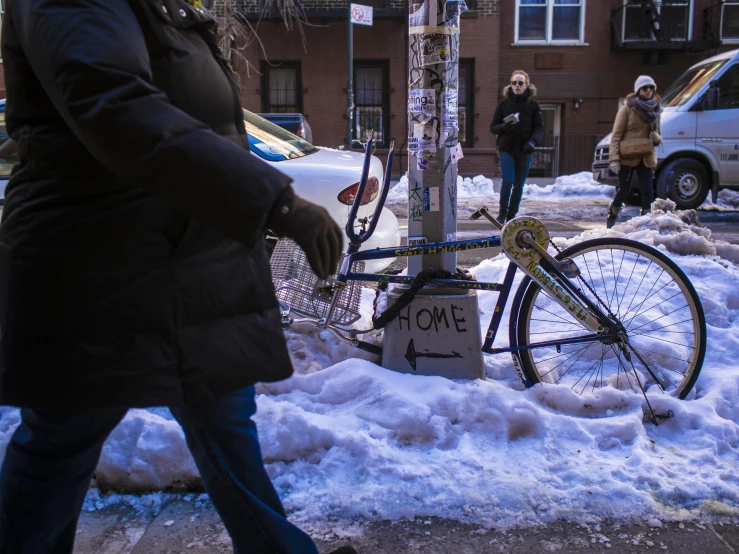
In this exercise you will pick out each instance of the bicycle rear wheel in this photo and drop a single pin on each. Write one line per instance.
(664, 328)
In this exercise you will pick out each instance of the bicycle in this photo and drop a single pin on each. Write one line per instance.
(606, 311)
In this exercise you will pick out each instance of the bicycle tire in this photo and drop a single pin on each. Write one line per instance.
(666, 335)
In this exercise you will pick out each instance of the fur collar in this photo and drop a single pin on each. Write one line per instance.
(508, 91)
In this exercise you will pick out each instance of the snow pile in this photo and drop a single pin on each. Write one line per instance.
(678, 231)
(346, 440)
(578, 184)
(565, 187)
(728, 201)
(477, 187)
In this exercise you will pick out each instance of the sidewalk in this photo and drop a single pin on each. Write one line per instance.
(194, 527)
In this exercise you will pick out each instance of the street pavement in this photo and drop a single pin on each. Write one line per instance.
(190, 527)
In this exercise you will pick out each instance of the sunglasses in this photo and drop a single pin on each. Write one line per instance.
(518, 83)
(648, 87)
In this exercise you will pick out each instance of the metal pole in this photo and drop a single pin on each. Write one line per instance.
(350, 78)
(433, 130)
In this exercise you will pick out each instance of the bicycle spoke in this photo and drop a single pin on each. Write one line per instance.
(581, 351)
(657, 319)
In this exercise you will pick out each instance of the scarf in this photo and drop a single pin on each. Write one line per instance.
(647, 110)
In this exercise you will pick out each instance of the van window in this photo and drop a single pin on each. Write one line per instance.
(689, 83)
(728, 86)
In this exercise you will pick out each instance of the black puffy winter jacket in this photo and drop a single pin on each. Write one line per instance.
(530, 126)
(133, 269)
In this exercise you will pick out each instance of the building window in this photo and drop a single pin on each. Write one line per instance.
(371, 101)
(465, 102)
(675, 18)
(730, 22)
(282, 88)
(550, 21)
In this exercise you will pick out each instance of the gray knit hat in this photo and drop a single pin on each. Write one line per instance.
(642, 81)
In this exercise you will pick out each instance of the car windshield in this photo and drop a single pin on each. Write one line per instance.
(689, 83)
(272, 142)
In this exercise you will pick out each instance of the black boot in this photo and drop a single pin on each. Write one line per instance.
(502, 214)
(613, 212)
(344, 550)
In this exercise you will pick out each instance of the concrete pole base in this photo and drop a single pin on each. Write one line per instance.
(435, 335)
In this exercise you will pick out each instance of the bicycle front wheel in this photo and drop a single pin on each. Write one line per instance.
(663, 342)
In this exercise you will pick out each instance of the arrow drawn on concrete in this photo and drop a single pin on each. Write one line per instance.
(412, 355)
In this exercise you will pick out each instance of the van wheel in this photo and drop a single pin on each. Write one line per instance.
(685, 182)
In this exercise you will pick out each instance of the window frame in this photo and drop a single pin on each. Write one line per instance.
(732, 40)
(549, 7)
(265, 90)
(384, 65)
(688, 37)
(469, 119)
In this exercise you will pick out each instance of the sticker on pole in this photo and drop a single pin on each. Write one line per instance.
(417, 241)
(431, 199)
(423, 138)
(435, 49)
(361, 15)
(422, 101)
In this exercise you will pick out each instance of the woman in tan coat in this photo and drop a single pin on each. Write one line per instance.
(636, 132)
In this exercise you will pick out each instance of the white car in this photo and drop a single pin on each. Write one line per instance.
(327, 177)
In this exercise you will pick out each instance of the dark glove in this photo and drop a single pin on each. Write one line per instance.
(311, 227)
(529, 147)
(508, 126)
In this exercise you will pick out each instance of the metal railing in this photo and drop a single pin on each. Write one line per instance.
(630, 23)
(563, 155)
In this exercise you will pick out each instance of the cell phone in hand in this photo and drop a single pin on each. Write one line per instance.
(513, 118)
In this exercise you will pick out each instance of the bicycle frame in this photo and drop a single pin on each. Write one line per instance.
(553, 279)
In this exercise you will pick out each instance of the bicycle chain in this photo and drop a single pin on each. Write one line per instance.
(584, 282)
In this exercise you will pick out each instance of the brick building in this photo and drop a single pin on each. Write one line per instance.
(583, 56)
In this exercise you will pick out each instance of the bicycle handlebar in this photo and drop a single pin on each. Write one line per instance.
(354, 238)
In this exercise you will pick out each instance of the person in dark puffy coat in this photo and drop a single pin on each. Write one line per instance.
(516, 140)
(132, 260)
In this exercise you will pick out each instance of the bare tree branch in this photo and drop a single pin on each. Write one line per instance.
(238, 32)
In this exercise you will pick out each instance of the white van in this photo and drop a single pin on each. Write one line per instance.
(700, 127)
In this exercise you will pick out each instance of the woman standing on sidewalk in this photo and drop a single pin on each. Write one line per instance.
(636, 132)
(519, 125)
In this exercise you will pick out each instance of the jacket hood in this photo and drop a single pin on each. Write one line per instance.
(508, 91)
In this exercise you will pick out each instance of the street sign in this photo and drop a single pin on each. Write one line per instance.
(361, 15)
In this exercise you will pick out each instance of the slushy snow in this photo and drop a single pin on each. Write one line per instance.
(471, 189)
(347, 441)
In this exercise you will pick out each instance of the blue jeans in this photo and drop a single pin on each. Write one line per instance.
(51, 458)
(515, 169)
